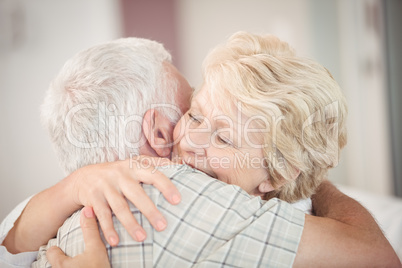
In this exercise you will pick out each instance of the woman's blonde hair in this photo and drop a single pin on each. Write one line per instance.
(298, 97)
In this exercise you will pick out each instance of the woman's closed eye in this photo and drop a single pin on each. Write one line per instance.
(224, 140)
(194, 118)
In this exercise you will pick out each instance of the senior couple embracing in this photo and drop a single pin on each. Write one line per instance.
(241, 163)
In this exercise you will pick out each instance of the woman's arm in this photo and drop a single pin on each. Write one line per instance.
(343, 235)
(41, 218)
(103, 187)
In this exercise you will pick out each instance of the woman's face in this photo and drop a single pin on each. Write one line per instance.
(225, 146)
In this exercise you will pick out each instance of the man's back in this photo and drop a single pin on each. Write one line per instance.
(215, 224)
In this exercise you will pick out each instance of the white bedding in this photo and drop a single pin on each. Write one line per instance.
(386, 210)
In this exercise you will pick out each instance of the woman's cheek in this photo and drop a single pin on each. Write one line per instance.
(221, 165)
(179, 130)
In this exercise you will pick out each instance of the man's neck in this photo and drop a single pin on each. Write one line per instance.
(146, 149)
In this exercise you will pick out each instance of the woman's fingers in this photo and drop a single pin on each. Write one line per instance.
(57, 257)
(144, 204)
(104, 215)
(121, 209)
(90, 231)
(146, 172)
(105, 186)
(165, 186)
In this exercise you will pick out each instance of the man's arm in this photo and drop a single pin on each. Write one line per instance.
(343, 235)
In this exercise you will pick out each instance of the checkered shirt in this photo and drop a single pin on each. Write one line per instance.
(215, 225)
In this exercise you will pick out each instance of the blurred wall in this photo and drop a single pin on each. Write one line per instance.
(36, 38)
(364, 80)
(155, 20)
(393, 20)
(204, 24)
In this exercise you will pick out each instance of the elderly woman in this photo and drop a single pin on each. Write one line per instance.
(262, 104)
(266, 120)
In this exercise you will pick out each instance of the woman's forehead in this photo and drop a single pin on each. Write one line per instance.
(204, 103)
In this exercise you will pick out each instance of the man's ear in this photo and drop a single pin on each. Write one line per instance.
(158, 131)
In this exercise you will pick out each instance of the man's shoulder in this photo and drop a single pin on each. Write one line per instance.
(192, 182)
(217, 222)
(206, 193)
(184, 176)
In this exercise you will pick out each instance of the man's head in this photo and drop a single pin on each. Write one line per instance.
(97, 105)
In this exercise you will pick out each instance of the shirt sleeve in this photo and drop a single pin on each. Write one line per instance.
(6, 258)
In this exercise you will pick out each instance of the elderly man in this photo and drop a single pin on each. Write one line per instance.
(95, 111)
(215, 223)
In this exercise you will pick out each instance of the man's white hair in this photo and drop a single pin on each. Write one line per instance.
(94, 107)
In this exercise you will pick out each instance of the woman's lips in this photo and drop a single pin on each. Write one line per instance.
(188, 163)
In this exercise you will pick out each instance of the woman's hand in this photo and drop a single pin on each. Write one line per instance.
(94, 255)
(105, 187)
